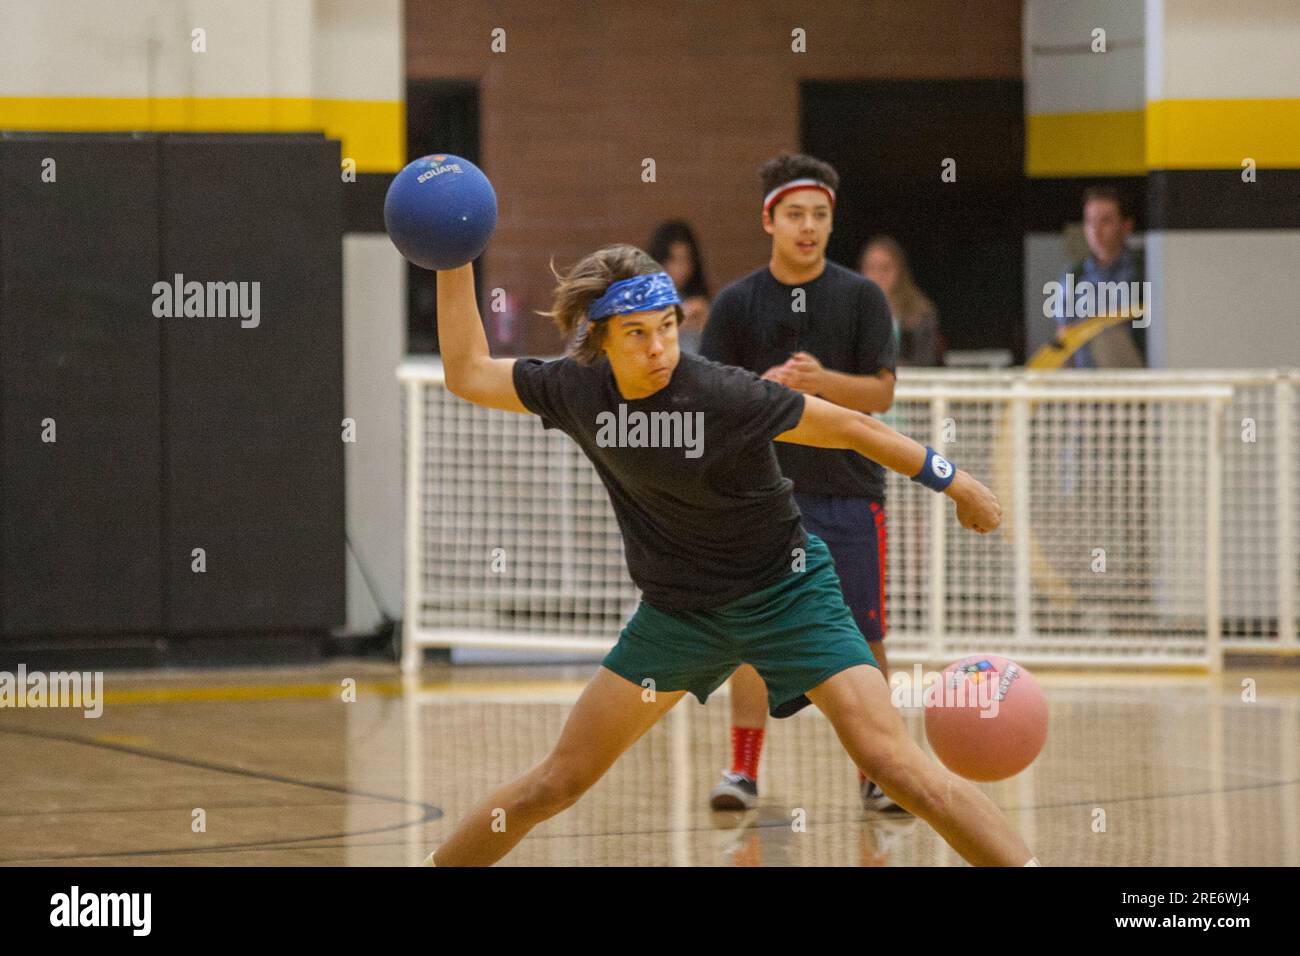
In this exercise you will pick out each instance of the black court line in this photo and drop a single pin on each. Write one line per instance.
(729, 827)
(432, 813)
(429, 812)
(726, 825)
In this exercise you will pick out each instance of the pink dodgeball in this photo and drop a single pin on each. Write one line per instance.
(980, 747)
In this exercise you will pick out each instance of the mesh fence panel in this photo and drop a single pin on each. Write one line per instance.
(515, 534)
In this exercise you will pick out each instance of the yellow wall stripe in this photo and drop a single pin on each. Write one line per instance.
(373, 132)
(1085, 144)
(1219, 134)
(1169, 134)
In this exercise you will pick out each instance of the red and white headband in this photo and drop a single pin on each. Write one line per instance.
(774, 197)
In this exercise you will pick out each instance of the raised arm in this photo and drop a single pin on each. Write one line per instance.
(826, 425)
(471, 371)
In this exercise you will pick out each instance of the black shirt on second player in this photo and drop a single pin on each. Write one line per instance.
(845, 324)
(701, 531)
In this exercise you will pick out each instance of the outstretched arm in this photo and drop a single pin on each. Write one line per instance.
(825, 425)
(471, 371)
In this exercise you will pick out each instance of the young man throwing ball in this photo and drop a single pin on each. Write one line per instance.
(714, 541)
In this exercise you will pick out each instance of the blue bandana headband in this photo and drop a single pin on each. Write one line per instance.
(638, 294)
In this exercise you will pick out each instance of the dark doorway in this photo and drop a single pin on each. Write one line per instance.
(442, 116)
(964, 239)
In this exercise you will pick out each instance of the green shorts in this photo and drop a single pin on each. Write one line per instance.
(796, 633)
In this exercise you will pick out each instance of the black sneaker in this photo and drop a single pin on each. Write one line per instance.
(735, 792)
(873, 798)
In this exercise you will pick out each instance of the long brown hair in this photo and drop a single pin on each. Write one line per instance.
(661, 247)
(907, 302)
(586, 282)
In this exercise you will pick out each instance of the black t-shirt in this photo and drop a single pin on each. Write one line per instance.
(705, 522)
(845, 323)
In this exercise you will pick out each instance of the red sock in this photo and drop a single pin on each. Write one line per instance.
(746, 747)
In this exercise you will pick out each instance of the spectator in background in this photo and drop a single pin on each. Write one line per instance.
(1107, 223)
(916, 321)
(673, 246)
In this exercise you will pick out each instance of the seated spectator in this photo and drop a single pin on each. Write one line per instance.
(916, 321)
(1107, 223)
(673, 246)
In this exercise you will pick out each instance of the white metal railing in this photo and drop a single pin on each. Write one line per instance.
(1143, 526)
(1260, 520)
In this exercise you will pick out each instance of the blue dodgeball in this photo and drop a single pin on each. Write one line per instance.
(440, 211)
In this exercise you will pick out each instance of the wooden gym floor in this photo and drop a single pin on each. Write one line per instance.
(275, 768)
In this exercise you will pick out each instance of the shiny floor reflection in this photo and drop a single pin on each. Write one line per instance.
(347, 765)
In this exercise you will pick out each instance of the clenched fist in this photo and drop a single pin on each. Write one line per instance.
(977, 507)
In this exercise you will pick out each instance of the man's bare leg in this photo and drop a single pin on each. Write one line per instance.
(738, 788)
(748, 698)
(856, 701)
(609, 717)
(878, 652)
